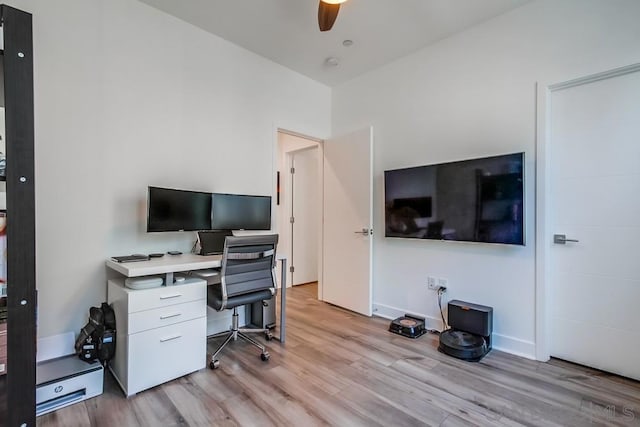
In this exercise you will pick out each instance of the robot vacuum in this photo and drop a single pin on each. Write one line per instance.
(469, 336)
(408, 326)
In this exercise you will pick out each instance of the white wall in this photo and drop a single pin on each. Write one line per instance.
(125, 97)
(468, 96)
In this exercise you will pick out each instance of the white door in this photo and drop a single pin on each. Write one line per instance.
(594, 151)
(347, 228)
(305, 207)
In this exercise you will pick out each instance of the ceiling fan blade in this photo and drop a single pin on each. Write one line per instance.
(327, 14)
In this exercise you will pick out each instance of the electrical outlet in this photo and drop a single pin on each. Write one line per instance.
(432, 283)
(442, 283)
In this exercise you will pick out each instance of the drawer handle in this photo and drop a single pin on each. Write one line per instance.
(175, 337)
(169, 316)
(170, 296)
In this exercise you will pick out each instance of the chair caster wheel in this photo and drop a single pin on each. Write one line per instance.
(268, 336)
(214, 364)
(265, 356)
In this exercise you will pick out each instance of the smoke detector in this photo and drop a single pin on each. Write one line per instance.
(331, 61)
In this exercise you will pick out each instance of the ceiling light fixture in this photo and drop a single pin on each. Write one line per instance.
(331, 61)
(327, 13)
(347, 43)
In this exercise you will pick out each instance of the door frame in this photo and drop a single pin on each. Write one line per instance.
(320, 146)
(543, 198)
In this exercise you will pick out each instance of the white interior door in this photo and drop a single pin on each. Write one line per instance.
(594, 151)
(306, 205)
(347, 227)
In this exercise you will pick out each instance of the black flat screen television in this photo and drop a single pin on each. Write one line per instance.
(477, 200)
(178, 210)
(241, 212)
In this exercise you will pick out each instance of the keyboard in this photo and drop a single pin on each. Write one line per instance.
(130, 258)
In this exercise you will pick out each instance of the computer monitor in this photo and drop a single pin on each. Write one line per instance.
(178, 210)
(240, 212)
(212, 242)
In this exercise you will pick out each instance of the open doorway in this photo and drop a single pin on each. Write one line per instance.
(299, 207)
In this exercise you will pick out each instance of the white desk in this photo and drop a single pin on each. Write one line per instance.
(170, 264)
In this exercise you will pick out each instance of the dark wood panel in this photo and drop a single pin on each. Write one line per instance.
(21, 293)
(3, 398)
(2, 80)
(343, 369)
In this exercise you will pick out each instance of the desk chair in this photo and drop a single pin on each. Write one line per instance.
(247, 276)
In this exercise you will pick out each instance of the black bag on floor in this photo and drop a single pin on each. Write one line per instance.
(97, 339)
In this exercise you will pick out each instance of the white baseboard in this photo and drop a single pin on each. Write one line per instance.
(511, 345)
(515, 346)
(55, 346)
(391, 313)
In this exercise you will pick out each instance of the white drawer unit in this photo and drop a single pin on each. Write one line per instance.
(161, 333)
(169, 352)
(165, 296)
(164, 316)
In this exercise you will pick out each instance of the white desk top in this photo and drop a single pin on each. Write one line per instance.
(166, 264)
(169, 264)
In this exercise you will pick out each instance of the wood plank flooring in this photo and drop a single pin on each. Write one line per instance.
(340, 368)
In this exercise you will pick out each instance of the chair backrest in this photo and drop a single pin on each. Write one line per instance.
(248, 265)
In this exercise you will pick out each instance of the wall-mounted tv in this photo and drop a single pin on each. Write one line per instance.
(178, 210)
(241, 212)
(477, 200)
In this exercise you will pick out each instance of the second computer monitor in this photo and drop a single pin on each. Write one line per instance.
(240, 212)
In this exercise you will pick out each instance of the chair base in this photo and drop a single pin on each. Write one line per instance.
(233, 334)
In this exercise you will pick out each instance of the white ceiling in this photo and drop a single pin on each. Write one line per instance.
(286, 31)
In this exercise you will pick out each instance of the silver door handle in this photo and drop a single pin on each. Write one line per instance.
(364, 232)
(561, 239)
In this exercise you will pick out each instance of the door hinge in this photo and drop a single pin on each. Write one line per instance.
(293, 170)
(291, 269)
(292, 220)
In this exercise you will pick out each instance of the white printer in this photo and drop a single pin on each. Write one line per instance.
(63, 379)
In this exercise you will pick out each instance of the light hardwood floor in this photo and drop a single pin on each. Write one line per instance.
(340, 368)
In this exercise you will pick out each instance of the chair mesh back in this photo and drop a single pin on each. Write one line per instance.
(248, 263)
